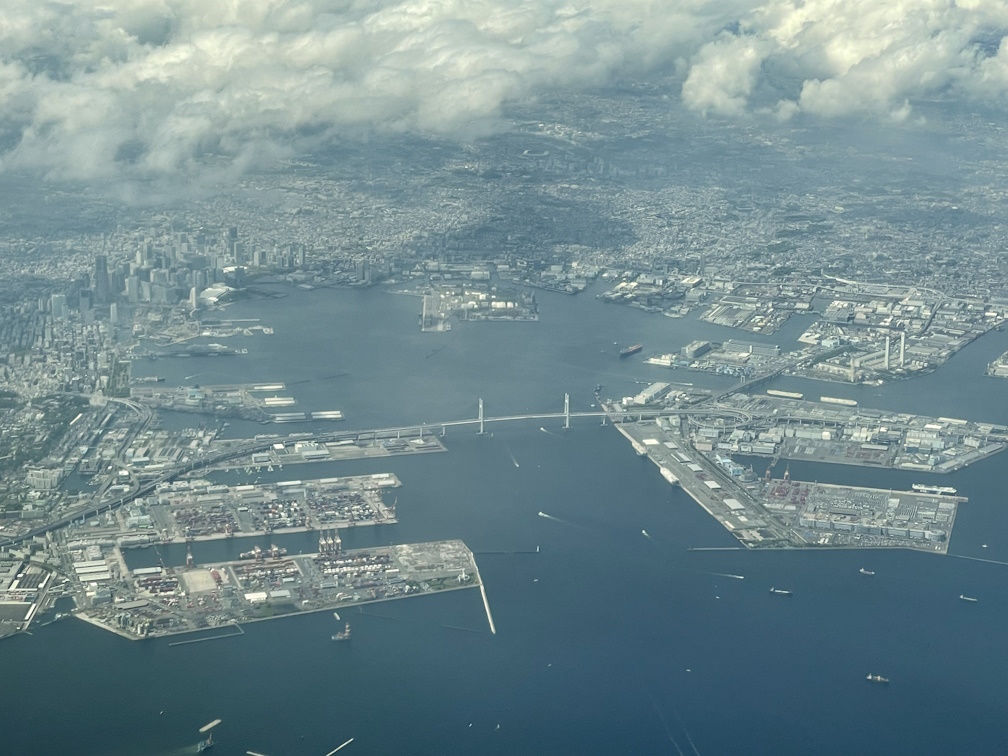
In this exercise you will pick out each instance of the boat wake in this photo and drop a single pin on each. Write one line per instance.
(513, 460)
(722, 574)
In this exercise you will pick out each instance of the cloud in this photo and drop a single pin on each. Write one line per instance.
(146, 88)
(723, 75)
(104, 91)
(853, 57)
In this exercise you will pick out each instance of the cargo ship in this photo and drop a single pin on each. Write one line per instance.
(344, 634)
(209, 350)
(780, 592)
(923, 488)
(632, 349)
(257, 553)
(878, 679)
(863, 571)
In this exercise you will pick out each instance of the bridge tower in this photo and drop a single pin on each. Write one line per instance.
(566, 424)
(481, 416)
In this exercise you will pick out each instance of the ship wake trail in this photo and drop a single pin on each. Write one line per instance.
(513, 460)
(551, 433)
(340, 747)
(551, 517)
(722, 574)
(978, 559)
(667, 730)
(685, 732)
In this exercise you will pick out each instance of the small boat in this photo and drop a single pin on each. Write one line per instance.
(878, 679)
(863, 571)
(968, 598)
(780, 592)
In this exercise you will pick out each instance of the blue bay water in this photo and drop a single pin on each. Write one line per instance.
(608, 641)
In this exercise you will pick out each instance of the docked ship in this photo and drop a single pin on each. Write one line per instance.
(878, 679)
(257, 553)
(632, 349)
(780, 592)
(924, 488)
(968, 598)
(210, 350)
(344, 634)
(863, 571)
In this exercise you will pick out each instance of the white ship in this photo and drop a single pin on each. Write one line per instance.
(943, 490)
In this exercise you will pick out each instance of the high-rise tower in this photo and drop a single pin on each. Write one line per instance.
(101, 279)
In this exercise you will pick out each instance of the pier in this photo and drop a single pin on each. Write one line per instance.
(486, 602)
(236, 626)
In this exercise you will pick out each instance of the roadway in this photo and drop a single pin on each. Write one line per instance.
(140, 489)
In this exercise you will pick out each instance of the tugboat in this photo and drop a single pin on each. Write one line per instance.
(344, 634)
(208, 743)
(878, 679)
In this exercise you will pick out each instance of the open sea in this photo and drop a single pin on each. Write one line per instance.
(607, 641)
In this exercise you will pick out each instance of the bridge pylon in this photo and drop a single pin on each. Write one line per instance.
(566, 424)
(481, 416)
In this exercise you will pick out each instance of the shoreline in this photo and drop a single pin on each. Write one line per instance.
(240, 623)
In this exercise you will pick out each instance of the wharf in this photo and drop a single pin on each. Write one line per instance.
(795, 514)
(197, 510)
(287, 450)
(226, 595)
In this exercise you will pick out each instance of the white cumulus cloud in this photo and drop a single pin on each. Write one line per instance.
(101, 90)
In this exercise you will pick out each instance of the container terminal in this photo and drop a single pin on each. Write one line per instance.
(162, 601)
(762, 512)
(200, 510)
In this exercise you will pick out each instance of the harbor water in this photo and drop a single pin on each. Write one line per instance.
(609, 640)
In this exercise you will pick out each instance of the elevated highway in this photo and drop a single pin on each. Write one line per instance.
(242, 450)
